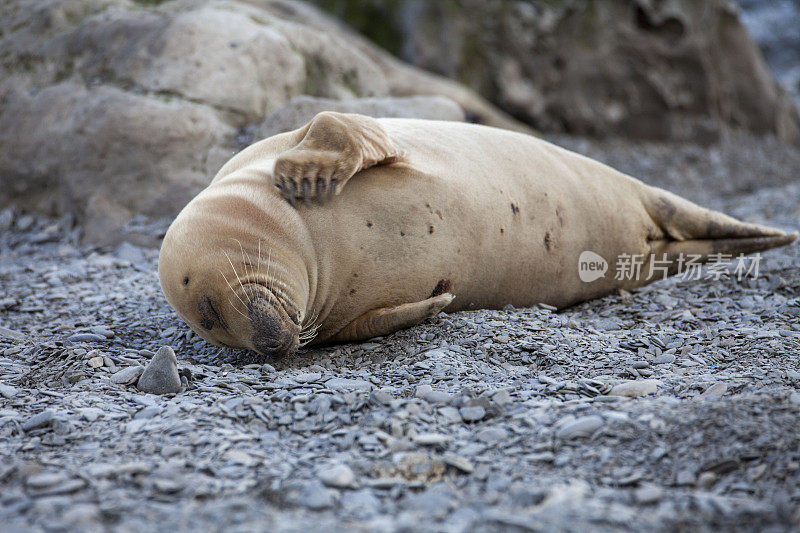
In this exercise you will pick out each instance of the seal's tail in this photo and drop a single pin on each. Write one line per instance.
(691, 230)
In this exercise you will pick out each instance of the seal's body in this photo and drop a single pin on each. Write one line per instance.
(353, 227)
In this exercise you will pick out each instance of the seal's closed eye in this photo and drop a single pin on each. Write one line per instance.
(209, 316)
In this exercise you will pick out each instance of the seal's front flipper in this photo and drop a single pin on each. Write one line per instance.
(334, 147)
(390, 319)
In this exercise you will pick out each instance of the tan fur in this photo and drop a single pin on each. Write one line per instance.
(395, 208)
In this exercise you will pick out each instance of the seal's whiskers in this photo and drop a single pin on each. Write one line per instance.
(245, 259)
(235, 273)
(231, 287)
(258, 260)
(310, 323)
(308, 336)
(237, 310)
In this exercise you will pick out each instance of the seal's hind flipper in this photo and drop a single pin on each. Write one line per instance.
(390, 319)
(685, 228)
(334, 147)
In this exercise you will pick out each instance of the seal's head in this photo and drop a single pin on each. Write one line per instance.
(229, 283)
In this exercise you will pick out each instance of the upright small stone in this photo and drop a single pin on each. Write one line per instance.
(161, 374)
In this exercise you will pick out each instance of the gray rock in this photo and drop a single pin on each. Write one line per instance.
(432, 439)
(127, 375)
(6, 219)
(502, 397)
(461, 463)
(307, 377)
(300, 110)
(472, 414)
(648, 494)
(44, 480)
(128, 252)
(25, 222)
(39, 420)
(362, 503)
(450, 414)
(581, 427)
(65, 487)
(492, 435)
(161, 375)
(86, 337)
(430, 503)
(422, 390)
(349, 384)
(381, 397)
(11, 334)
(664, 359)
(338, 476)
(435, 396)
(102, 330)
(685, 477)
(635, 389)
(316, 496)
(716, 389)
(7, 391)
(90, 414)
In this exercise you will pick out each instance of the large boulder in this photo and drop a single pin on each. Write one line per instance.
(301, 110)
(112, 108)
(653, 69)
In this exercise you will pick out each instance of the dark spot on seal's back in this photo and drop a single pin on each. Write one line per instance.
(430, 229)
(502, 231)
(548, 241)
(369, 224)
(402, 234)
(514, 208)
(186, 280)
(442, 287)
(352, 291)
(558, 216)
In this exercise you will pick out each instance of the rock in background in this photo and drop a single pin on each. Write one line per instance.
(646, 69)
(299, 111)
(116, 108)
(774, 25)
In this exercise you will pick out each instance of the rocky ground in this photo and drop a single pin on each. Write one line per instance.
(673, 407)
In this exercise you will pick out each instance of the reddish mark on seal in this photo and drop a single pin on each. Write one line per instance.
(548, 241)
(442, 287)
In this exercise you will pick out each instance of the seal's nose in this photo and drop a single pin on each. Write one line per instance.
(275, 335)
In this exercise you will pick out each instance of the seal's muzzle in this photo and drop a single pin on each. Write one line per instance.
(275, 333)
